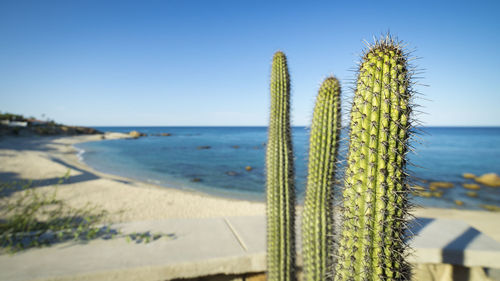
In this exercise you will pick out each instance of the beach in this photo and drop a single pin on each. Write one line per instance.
(44, 160)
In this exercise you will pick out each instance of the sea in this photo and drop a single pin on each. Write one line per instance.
(230, 161)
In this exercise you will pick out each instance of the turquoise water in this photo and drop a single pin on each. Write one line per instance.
(441, 154)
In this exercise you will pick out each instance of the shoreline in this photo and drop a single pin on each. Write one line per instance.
(45, 159)
(203, 190)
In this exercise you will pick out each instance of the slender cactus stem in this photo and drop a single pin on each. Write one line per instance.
(280, 178)
(317, 218)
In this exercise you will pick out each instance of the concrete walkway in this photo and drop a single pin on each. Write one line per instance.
(232, 245)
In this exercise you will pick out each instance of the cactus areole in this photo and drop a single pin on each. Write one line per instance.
(317, 217)
(280, 178)
(371, 243)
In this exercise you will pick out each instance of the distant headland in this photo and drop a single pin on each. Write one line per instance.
(16, 124)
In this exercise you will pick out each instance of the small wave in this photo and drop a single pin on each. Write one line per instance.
(153, 181)
(80, 153)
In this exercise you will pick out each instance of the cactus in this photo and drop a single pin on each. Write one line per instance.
(280, 178)
(317, 218)
(371, 243)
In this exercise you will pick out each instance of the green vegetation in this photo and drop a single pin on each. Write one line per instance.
(371, 242)
(12, 117)
(147, 236)
(371, 245)
(31, 218)
(317, 218)
(280, 178)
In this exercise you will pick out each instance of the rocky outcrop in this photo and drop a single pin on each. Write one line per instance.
(49, 129)
(136, 134)
(203, 147)
(417, 187)
(440, 184)
(115, 136)
(468, 176)
(471, 193)
(427, 194)
(491, 208)
(472, 186)
(490, 179)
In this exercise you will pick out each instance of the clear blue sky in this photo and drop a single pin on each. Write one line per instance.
(208, 62)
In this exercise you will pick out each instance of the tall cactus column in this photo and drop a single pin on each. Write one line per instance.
(280, 178)
(375, 205)
(317, 218)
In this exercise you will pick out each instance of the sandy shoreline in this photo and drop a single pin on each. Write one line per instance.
(45, 159)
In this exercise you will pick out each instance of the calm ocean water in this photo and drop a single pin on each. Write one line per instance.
(441, 154)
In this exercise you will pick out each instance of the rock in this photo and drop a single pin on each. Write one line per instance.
(196, 180)
(473, 186)
(468, 176)
(231, 173)
(115, 135)
(204, 147)
(471, 193)
(492, 208)
(235, 146)
(459, 203)
(84, 130)
(419, 193)
(165, 134)
(248, 168)
(136, 134)
(417, 187)
(440, 184)
(490, 179)
(437, 194)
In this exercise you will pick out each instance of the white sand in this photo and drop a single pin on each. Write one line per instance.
(48, 158)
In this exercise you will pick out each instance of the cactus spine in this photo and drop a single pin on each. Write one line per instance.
(317, 218)
(280, 178)
(374, 198)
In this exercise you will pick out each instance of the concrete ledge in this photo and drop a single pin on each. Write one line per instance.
(233, 245)
(452, 242)
(197, 247)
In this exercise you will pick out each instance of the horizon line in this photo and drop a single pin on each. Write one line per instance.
(254, 126)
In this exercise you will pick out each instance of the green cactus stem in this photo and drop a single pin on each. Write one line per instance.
(280, 178)
(371, 245)
(317, 218)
